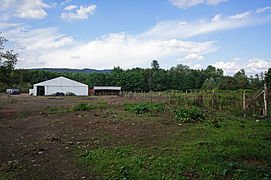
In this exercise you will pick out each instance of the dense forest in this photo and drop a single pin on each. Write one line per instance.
(154, 78)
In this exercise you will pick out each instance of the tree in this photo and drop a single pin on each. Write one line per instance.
(228, 83)
(155, 65)
(241, 79)
(209, 84)
(8, 61)
(267, 78)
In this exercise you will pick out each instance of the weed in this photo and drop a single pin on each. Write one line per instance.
(189, 114)
(77, 107)
(83, 107)
(143, 108)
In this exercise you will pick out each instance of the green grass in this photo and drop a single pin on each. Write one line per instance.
(239, 149)
(144, 107)
(77, 107)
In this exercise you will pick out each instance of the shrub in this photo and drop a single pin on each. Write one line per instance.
(136, 108)
(189, 114)
(157, 107)
(83, 107)
(142, 108)
(77, 107)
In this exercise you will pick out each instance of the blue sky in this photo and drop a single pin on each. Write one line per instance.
(103, 34)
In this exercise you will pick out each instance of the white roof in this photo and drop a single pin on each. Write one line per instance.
(60, 81)
(107, 88)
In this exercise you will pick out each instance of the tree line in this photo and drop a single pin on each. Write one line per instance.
(180, 78)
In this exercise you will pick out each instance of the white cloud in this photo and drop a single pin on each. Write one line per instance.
(261, 10)
(186, 3)
(215, 2)
(81, 13)
(71, 7)
(65, 2)
(228, 67)
(183, 29)
(257, 65)
(216, 18)
(30, 9)
(237, 59)
(48, 48)
(189, 3)
(190, 57)
(252, 66)
(197, 66)
(241, 16)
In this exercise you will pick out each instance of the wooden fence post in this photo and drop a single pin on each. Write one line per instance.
(186, 97)
(213, 98)
(265, 100)
(159, 96)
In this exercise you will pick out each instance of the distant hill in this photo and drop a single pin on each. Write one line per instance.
(85, 70)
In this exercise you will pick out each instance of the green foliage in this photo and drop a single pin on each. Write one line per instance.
(155, 65)
(82, 106)
(146, 107)
(198, 151)
(189, 114)
(8, 61)
(129, 162)
(54, 110)
(268, 78)
(180, 78)
(209, 84)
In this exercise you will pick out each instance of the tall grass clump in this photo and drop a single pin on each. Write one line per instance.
(189, 114)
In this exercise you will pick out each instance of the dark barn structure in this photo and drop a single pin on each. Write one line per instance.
(107, 90)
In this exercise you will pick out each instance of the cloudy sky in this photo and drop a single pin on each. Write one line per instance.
(102, 34)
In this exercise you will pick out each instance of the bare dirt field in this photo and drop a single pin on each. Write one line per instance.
(35, 144)
(114, 137)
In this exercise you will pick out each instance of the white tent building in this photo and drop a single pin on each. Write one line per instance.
(60, 84)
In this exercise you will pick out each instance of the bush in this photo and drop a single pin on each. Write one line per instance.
(77, 107)
(157, 107)
(189, 114)
(83, 107)
(142, 108)
(136, 108)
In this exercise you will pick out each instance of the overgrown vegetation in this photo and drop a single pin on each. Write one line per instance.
(82, 106)
(145, 107)
(189, 114)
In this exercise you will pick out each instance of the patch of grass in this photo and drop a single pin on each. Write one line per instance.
(82, 106)
(53, 110)
(129, 162)
(145, 107)
(239, 149)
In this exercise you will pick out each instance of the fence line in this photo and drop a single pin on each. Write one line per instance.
(236, 102)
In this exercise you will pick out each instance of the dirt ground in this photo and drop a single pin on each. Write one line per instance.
(39, 145)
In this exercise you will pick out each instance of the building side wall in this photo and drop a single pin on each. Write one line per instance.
(49, 90)
(106, 92)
